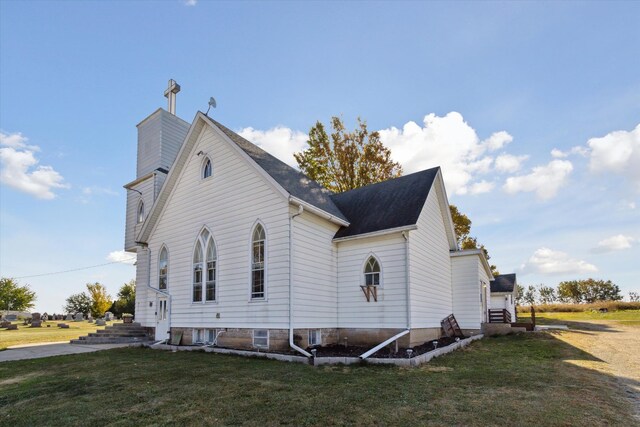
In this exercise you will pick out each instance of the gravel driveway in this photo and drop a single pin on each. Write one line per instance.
(616, 344)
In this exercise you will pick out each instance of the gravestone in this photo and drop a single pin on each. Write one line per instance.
(69, 317)
(63, 326)
(36, 323)
(90, 320)
(108, 316)
(100, 322)
(35, 317)
(11, 317)
(4, 324)
(45, 317)
(79, 317)
(12, 327)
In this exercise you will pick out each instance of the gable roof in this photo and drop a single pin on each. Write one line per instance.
(504, 283)
(386, 205)
(294, 182)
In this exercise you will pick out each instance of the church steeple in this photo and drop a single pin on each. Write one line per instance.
(170, 94)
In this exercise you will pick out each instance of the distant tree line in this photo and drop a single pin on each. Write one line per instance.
(572, 291)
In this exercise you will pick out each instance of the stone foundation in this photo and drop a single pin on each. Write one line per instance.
(242, 338)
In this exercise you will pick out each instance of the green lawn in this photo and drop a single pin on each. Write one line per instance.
(27, 335)
(514, 380)
(627, 317)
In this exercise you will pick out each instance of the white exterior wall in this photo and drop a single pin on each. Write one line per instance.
(315, 275)
(229, 204)
(159, 139)
(467, 290)
(132, 227)
(144, 314)
(430, 268)
(353, 309)
(500, 301)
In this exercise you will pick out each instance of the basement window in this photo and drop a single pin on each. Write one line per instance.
(261, 338)
(198, 336)
(315, 337)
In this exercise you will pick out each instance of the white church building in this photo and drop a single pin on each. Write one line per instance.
(235, 246)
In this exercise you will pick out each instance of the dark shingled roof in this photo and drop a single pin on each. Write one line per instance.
(503, 283)
(294, 182)
(385, 205)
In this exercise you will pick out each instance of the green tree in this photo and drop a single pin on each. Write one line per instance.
(126, 302)
(346, 160)
(519, 294)
(588, 291)
(634, 297)
(461, 223)
(530, 295)
(547, 294)
(15, 297)
(78, 303)
(100, 299)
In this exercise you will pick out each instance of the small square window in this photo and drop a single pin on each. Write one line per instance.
(198, 336)
(261, 338)
(315, 337)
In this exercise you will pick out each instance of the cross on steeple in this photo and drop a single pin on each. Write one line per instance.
(170, 94)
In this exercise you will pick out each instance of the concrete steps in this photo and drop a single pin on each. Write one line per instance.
(119, 333)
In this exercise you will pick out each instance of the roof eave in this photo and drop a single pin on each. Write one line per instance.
(377, 233)
(315, 210)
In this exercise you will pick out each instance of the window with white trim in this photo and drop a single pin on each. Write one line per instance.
(206, 169)
(258, 241)
(140, 212)
(261, 338)
(315, 337)
(372, 272)
(163, 268)
(204, 267)
(198, 336)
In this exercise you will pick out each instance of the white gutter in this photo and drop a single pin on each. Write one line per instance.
(383, 344)
(377, 233)
(291, 343)
(318, 212)
(363, 356)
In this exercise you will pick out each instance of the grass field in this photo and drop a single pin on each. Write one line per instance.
(527, 379)
(27, 335)
(627, 317)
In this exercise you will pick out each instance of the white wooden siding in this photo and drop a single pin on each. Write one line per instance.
(132, 227)
(229, 204)
(315, 276)
(430, 267)
(159, 139)
(467, 288)
(353, 309)
(501, 301)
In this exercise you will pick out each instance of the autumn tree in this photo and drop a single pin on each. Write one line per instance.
(462, 227)
(100, 299)
(588, 291)
(15, 297)
(346, 160)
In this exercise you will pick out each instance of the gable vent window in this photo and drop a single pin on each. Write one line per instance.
(140, 212)
(206, 169)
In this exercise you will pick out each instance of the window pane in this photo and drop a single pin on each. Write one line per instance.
(257, 288)
(197, 254)
(211, 291)
(211, 250)
(163, 282)
(207, 169)
(376, 278)
(197, 292)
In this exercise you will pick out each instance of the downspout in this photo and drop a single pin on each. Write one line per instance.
(291, 343)
(363, 356)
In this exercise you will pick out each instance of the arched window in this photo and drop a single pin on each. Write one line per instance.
(372, 272)
(205, 245)
(258, 240)
(206, 169)
(163, 266)
(197, 272)
(210, 292)
(140, 211)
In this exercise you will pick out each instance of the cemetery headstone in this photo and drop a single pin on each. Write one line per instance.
(63, 326)
(69, 317)
(11, 317)
(4, 324)
(100, 322)
(79, 317)
(35, 317)
(108, 316)
(12, 327)
(36, 323)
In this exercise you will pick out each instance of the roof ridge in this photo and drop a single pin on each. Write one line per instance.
(368, 186)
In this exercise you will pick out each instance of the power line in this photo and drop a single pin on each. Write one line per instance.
(75, 269)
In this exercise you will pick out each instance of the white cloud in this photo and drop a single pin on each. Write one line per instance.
(122, 257)
(509, 163)
(559, 154)
(92, 191)
(481, 187)
(20, 168)
(614, 243)
(617, 152)
(448, 142)
(280, 141)
(548, 261)
(545, 181)
(190, 2)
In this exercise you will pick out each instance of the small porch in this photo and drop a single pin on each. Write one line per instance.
(500, 315)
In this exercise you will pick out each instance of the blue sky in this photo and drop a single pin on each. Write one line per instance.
(484, 89)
